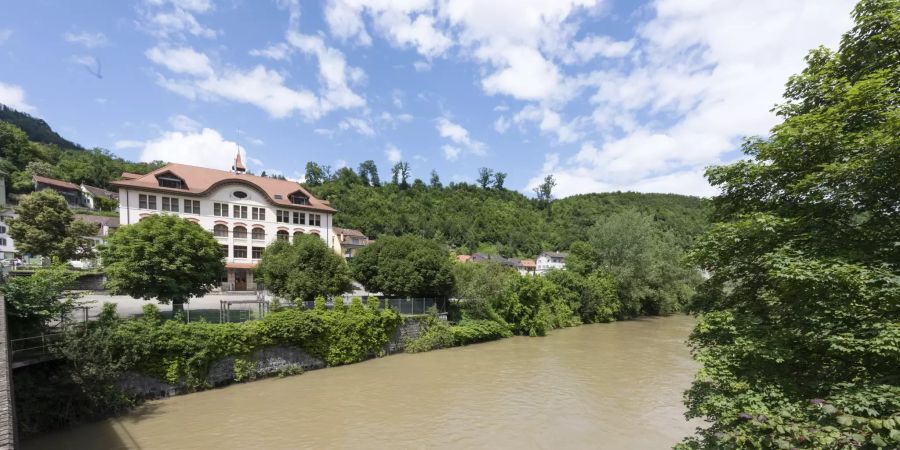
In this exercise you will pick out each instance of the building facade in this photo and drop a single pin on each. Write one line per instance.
(548, 261)
(347, 242)
(7, 249)
(244, 212)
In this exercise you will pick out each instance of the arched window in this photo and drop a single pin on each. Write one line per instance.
(258, 233)
(282, 234)
(239, 232)
(220, 230)
(297, 234)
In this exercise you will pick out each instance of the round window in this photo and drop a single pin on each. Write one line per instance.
(240, 194)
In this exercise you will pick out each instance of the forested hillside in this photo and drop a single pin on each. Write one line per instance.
(28, 146)
(473, 218)
(469, 217)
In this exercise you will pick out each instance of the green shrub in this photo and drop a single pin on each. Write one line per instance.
(437, 335)
(472, 331)
(244, 370)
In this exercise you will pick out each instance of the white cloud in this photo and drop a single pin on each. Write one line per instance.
(548, 121)
(183, 60)
(422, 66)
(180, 122)
(392, 153)
(14, 96)
(126, 144)
(460, 135)
(451, 153)
(176, 18)
(334, 73)
(5, 34)
(593, 46)
(85, 38)
(279, 52)
(361, 126)
(501, 124)
(404, 24)
(206, 148)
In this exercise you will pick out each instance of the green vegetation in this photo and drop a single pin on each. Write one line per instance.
(303, 269)
(162, 257)
(441, 334)
(407, 266)
(45, 226)
(800, 333)
(97, 355)
(34, 301)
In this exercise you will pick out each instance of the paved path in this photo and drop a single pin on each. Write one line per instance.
(7, 402)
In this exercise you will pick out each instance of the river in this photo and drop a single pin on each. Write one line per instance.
(615, 386)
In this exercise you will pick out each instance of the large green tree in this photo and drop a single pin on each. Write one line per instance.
(303, 269)
(35, 301)
(162, 257)
(45, 226)
(407, 266)
(800, 333)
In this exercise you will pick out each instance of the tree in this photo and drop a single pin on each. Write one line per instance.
(544, 192)
(435, 181)
(485, 176)
(368, 171)
(46, 226)
(303, 269)
(801, 314)
(647, 265)
(480, 285)
(499, 179)
(15, 146)
(163, 257)
(400, 174)
(33, 302)
(315, 175)
(407, 266)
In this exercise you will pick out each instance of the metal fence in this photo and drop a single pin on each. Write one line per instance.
(408, 306)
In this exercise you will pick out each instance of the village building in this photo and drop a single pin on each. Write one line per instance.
(105, 226)
(244, 212)
(77, 196)
(548, 261)
(347, 242)
(7, 248)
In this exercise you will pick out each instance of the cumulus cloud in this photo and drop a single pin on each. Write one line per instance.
(182, 60)
(14, 96)
(358, 125)
(460, 136)
(173, 18)
(180, 122)
(393, 154)
(451, 153)
(501, 124)
(205, 148)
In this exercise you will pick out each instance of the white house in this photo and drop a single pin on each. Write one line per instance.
(7, 249)
(551, 260)
(244, 212)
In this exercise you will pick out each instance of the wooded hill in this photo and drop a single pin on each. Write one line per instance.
(468, 217)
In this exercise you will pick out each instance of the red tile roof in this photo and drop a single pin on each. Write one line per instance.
(200, 181)
(348, 232)
(56, 183)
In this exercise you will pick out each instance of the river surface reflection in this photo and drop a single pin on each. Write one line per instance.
(615, 386)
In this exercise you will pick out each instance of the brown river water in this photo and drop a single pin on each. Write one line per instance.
(609, 386)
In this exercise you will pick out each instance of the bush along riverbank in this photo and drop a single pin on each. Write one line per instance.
(110, 365)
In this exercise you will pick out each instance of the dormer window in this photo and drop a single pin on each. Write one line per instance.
(170, 180)
(298, 198)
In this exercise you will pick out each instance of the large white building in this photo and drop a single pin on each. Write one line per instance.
(548, 261)
(7, 247)
(244, 212)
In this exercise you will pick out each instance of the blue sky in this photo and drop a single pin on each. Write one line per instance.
(603, 94)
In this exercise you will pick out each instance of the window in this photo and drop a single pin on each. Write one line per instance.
(240, 251)
(239, 194)
(239, 212)
(192, 206)
(239, 232)
(225, 249)
(257, 252)
(297, 234)
(220, 230)
(3, 241)
(282, 234)
(315, 220)
(146, 201)
(170, 182)
(170, 204)
(282, 216)
(298, 199)
(2, 229)
(259, 213)
(299, 218)
(258, 234)
(220, 209)
(278, 196)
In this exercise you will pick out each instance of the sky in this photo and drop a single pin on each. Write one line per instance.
(606, 95)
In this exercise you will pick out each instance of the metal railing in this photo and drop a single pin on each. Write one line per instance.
(407, 306)
(32, 349)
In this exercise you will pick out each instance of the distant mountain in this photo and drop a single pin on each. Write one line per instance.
(36, 129)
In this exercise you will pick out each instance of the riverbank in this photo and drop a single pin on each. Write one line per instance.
(619, 384)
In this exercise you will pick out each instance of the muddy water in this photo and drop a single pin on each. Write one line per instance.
(615, 386)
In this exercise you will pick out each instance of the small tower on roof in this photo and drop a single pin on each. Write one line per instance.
(238, 166)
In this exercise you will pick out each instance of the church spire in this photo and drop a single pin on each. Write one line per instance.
(238, 166)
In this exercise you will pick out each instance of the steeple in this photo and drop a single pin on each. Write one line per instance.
(238, 166)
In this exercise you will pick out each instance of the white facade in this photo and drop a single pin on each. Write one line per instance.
(7, 246)
(550, 261)
(239, 215)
